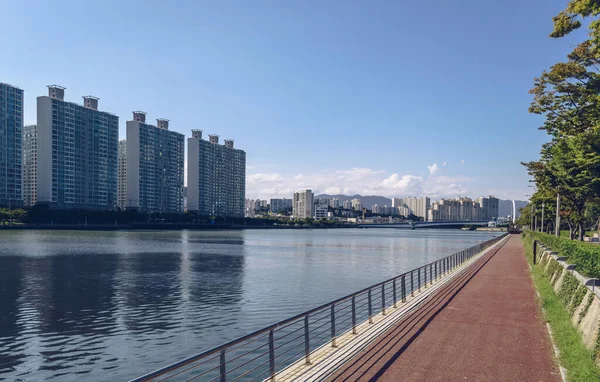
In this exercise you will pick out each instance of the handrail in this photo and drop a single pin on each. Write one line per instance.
(430, 271)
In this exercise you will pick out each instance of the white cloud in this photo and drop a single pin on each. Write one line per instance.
(433, 169)
(264, 178)
(364, 181)
(444, 164)
(462, 161)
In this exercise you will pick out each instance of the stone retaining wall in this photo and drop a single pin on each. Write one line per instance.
(579, 294)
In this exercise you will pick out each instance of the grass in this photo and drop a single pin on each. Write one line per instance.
(565, 233)
(573, 354)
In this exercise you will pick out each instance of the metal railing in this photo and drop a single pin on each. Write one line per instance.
(262, 354)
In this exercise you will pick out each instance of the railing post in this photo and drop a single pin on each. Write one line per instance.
(333, 326)
(534, 251)
(271, 355)
(222, 369)
(430, 274)
(419, 278)
(353, 314)
(383, 299)
(370, 309)
(306, 341)
(412, 283)
(395, 298)
(436, 270)
(404, 288)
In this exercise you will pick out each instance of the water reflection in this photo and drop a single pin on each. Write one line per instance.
(114, 305)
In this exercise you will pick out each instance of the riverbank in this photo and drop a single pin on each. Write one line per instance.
(183, 226)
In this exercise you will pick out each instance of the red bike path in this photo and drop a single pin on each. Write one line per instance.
(484, 326)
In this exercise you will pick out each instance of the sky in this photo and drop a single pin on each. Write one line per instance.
(391, 98)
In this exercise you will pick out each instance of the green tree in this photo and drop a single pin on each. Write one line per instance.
(570, 165)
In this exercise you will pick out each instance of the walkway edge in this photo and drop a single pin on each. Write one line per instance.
(326, 360)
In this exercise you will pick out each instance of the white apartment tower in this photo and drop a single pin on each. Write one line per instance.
(122, 180)
(155, 159)
(77, 153)
(303, 204)
(29, 165)
(216, 177)
(418, 206)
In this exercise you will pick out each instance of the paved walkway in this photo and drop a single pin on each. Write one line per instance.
(485, 326)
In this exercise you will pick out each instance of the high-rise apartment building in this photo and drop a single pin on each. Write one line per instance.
(357, 205)
(464, 209)
(303, 204)
(155, 159)
(347, 204)
(417, 206)
(216, 177)
(77, 153)
(334, 203)
(489, 207)
(280, 205)
(11, 128)
(397, 203)
(122, 179)
(29, 165)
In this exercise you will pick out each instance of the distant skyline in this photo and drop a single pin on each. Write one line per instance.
(382, 98)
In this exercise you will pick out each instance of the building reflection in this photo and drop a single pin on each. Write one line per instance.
(150, 291)
(80, 295)
(10, 288)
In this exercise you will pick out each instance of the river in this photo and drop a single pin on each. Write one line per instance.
(107, 306)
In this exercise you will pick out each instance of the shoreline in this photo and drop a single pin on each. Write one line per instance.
(177, 227)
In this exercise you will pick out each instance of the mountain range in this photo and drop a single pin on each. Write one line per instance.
(504, 206)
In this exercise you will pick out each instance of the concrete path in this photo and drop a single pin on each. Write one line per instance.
(485, 326)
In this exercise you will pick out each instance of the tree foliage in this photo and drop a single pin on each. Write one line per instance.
(568, 96)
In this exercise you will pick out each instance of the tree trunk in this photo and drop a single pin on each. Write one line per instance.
(570, 229)
(581, 231)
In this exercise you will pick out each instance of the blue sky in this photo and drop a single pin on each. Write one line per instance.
(386, 97)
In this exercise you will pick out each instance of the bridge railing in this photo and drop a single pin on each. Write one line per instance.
(260, 355)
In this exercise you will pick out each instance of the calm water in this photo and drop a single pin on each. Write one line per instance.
(115, 305)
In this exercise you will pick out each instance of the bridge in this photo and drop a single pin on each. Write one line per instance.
(436, 224)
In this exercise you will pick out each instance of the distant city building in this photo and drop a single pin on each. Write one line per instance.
(489, 207)
(347, 204)
(303, 204)
(11, 157)
(122, 179)
(280, 205)
(155, 157)
(357, 205)
(321, 210)
(334, 203)
(29, 165)
(397, 202)
(216, 177)
(383, 210)
(403, 211)
(77, 149)
(322, 201)
(264, 204)
(464, 209)
(250, 208)
(418, 206)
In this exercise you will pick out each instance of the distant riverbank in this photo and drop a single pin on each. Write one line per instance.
(182, 226)
(155, 226)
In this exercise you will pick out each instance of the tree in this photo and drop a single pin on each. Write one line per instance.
(568, 94)
(570, 165)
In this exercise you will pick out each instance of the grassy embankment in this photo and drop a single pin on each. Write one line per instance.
(574, 356)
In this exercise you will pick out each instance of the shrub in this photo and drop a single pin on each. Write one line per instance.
(585, 256)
